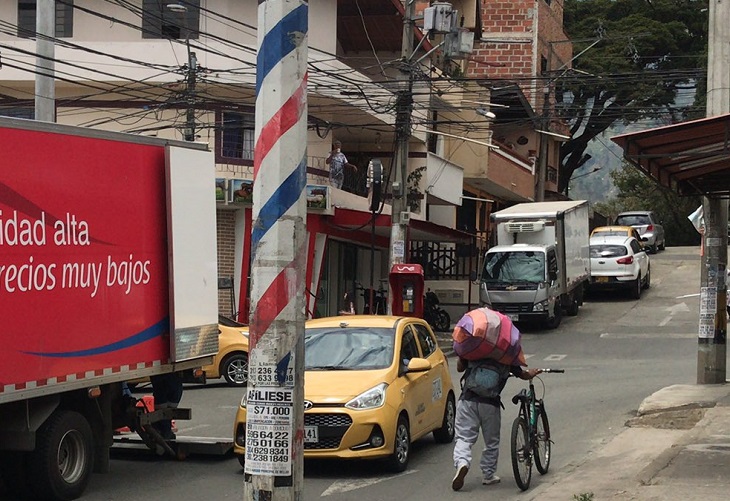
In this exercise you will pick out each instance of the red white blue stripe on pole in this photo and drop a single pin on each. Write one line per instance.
(278, 242)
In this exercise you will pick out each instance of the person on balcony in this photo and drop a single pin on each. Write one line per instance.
(338, 162)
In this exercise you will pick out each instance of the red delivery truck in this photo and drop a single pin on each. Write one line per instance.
(108, 272)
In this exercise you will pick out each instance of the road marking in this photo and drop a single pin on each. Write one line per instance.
(529, 356)
(688, 295)
(647, 335)
(554, 358)
(352, 484)
(665, 321)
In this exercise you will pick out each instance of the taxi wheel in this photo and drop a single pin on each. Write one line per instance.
(241, 459)
(445, 434)
(235, 369)
(398, 461)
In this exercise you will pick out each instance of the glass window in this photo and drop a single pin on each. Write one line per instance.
(409, 347)
(350, 348)
(238, 136)
(179, 22)
(426, 340)
(525, 266)
(635, 246)
(608, 251)
(633, 220)
(27, 18)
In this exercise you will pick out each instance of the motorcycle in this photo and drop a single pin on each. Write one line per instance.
(437, 317)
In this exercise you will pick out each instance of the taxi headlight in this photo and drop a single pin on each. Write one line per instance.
(370, 399)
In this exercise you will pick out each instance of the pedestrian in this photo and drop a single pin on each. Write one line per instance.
(338, 162)
(477, 336)
(167, 390)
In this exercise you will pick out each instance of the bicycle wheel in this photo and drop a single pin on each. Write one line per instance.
(542, 441)
(521, 453)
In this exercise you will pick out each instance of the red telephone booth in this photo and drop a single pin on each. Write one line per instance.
(406, 282)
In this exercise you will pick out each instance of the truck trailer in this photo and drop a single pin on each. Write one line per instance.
(108, 272)
(540, 266)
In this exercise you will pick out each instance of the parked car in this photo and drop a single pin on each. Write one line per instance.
(610, 231)
(231, 361)
(648, 226)
(373, 385)
(619, 262)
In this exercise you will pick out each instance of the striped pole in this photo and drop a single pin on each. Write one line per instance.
(275, 393)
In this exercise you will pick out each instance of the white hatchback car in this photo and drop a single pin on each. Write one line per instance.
(619, 262)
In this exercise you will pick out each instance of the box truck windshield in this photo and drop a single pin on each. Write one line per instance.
(514, 266)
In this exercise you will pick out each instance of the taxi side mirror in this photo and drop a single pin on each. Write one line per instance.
(419, 365)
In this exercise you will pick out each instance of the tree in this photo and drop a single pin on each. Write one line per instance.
(649, 50)
(637, 191)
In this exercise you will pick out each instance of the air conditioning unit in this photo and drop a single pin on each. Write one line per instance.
(524, 226)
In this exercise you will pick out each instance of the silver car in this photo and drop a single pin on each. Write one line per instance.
(648, 226)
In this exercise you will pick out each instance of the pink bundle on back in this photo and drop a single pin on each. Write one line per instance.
(485, 333)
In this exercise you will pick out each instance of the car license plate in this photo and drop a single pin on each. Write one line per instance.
(311, 434)
(602, 280)
(514, 317)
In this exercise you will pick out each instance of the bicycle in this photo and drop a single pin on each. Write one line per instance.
(530, 434)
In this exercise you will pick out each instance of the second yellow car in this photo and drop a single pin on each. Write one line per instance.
(373, 385)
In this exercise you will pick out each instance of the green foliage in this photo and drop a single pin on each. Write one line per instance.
(414, 194)
(637, 192)
(645, 53)
(583, 496)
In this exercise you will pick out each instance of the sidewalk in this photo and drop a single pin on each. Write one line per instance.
(677, 448)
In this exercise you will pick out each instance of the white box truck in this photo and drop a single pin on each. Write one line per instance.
(540, 265)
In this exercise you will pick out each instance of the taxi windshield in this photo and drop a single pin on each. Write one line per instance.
(351, 348)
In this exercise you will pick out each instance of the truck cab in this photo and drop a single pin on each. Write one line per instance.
(521, 281)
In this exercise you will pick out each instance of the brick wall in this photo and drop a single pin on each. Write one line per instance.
(226, 232)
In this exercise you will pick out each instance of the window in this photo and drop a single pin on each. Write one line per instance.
(160, 21)
(18, 112)
(27, 15)
(428, 344)
(409, 348)
(237, 139)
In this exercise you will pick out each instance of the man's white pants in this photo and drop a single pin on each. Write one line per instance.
(470, 417)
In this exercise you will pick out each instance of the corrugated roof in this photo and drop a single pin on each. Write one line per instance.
(691, 158)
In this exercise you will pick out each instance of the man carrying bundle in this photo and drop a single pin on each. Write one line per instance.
(489, 349)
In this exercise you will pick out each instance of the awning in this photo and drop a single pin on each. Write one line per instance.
(691, 158)
(418, 230)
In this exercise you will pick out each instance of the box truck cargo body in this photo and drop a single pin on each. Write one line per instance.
(540, 265)
(108, 272)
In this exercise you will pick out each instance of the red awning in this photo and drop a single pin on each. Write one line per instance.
(418, 230)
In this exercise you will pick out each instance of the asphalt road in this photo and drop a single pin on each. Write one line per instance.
(616, 352)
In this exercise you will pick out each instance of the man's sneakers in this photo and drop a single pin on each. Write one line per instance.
(494, 479)
(458, 481)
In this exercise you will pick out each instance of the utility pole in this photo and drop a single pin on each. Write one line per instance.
(712, 340)
(190, 94)
(45, 84)
(542, 159)
(404, 106)
(274, 466)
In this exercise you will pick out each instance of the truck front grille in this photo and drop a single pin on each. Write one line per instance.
(513, 307)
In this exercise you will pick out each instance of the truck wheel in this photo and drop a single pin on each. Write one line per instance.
(235, 369)
(63, 458)
(574, 304)
(554, 322)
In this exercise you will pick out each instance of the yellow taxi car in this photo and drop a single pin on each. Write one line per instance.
(622, 231)
(231, 361)
(372, 386)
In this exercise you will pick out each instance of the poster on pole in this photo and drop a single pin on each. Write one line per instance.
(269, 424)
